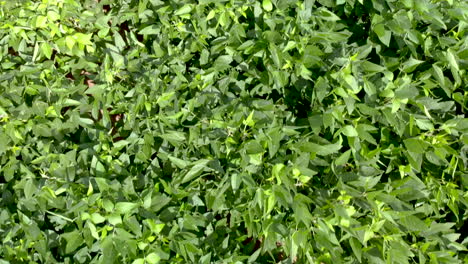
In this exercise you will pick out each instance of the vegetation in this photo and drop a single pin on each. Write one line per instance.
(229, 131)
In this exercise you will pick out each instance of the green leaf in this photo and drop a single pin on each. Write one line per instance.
(253, 147)
(411, 64)
(452, 60)
(186, 9)
(85, 39)
(254, 256)
(325, 14)
(46, 50)
(73, 241)
(178, 162)
(439, 74)
(351, 83)
(343, 158)
(383, 34)
(274, 141)
(52, 15)
(249, 120)
(29, 189)
(222, 62)
(267, 5)
(349, 131)
(236, 180)
(371, 67)
(415, 145)
(70, 42)
(322, 150)
(125, 207)
(41, 21)
(153, 258)
(301, 211)
(92, 229)
(415, 159)
(97, 218)
(204, 57)
(356, 247)
(139, 261)
(149, 30)
(114, 219)
(176, 138)
(195, 171)
(414, 224)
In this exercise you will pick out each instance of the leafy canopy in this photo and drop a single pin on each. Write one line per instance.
(226, 131)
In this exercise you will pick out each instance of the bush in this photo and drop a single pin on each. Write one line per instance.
(225, 131)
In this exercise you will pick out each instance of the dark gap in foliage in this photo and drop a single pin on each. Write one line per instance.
(462, 228)
(106, 8)
(460, 109)
(175, 41)
(374, 57)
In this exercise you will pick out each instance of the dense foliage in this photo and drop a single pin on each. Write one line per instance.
(229, 131)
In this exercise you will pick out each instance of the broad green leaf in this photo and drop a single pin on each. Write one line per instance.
(84, 39)
(249, 120)
(274, 141)
(236, 180)
(349, 131)
(184, 10)
(383, 34)
(224, 19)
(206, 259)
(356, 247)
(452, 60)
(301, 211)
(73, 241)
(149, 30)
(174, 137)
(439, 74)
(325, 14)
(52, 15)
(414, 224)
(371, 67)
(70, 42)
(415, 145)
(153, 258)
(351, 82)
(97, 218)
(41, 21)
(254, 256)
(343, 158)
(223, 62)
(114, 219)
(46, 50)
(253, 147)
(179, 162)
(282, 196)
(195, 171)
(415, 159)
(204, 57)
(29, 189)
(322, 150)
(92, 229)
(411, 64)
(267, 5)
(125, 207)
(211, 15)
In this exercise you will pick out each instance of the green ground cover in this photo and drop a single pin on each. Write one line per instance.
(229, 131)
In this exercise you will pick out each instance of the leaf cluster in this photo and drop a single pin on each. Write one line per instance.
(226, 131)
